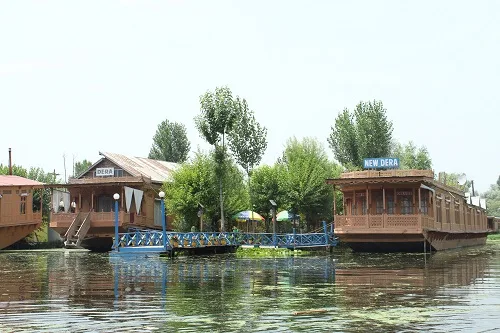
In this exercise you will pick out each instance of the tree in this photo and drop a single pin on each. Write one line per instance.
(247, 140)
(81, 167)
(170, 143)
(365, 133)
(269, 182)
(493, 200)
(411, 157)
(217, 118)
(308, 168)
(197, 182)
(498, 181)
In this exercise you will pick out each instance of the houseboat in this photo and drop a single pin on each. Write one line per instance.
(83, 211)
(406, 211)
(18, 218)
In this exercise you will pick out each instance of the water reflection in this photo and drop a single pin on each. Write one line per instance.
(69, 290)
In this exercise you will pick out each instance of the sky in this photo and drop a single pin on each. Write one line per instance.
(80, 77)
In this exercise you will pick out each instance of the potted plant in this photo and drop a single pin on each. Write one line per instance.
(174, 241)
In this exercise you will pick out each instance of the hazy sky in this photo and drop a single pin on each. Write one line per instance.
(79, 77)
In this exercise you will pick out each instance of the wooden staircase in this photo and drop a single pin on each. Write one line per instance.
(77, 231)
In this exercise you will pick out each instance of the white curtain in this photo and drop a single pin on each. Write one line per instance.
(128, 197)
(138, 199)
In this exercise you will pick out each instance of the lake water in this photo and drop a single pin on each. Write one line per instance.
(78, 291)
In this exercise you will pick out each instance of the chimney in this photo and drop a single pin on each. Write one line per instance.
(10, 161)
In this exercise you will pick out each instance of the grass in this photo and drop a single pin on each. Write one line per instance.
(256, 252)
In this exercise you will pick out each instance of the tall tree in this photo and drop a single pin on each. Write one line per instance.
(411, 157)
(197, 182)
(217, 118)
(248, 139)
(81, 167)
(170, 143)
(364, 133)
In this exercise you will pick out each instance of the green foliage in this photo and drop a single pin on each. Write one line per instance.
(452, 179)
(269, 182)
(411, 157)
(170, 143)
(308, 168)
(196, 182)
(365, 133)
(81, 167)
(493, 200)
(218, 115)
(247, 140)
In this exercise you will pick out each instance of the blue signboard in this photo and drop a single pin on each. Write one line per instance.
(381, 163)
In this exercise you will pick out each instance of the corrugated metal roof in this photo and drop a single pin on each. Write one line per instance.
(157, 171)
(7, 180)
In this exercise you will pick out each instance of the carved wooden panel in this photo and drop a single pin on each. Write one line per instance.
(402, 221)
(376, 221)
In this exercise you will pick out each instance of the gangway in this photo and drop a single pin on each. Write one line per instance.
(152, 241)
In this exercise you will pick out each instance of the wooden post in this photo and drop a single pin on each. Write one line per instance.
(367, 201)
(334, 203)
(413, 200)
(383, 200)
(353, 204)
(419, 210)
(80, 200)
(395, 200)
(92, 202)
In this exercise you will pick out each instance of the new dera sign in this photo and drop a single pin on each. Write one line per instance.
(381, 163)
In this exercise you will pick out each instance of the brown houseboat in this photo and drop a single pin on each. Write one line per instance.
(17, 218)
(83, 213)
(405, 210)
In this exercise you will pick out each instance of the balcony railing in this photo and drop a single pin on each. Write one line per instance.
(97, 219)
(383, 221)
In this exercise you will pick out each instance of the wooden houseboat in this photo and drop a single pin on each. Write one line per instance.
(405, 211)
(17, 216)
(83, 213)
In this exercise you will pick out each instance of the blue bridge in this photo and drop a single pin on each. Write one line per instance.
(155, 241)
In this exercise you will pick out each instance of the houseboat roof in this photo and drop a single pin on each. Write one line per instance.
(7, 180)
(138, 167)
(392, 176)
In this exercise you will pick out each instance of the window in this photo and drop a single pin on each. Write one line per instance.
(379, 205)
(23, 205)
(424, 205)
(406, 205)
(390, 204)
(118, 172)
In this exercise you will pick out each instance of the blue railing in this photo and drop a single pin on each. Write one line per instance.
(152, 240)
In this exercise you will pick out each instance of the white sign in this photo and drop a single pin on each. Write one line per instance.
(103, 172)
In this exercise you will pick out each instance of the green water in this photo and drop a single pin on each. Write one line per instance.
(78, 291)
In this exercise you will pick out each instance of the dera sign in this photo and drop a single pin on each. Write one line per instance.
(103, 172)
(381, 163)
